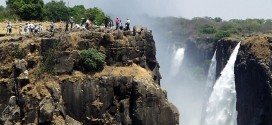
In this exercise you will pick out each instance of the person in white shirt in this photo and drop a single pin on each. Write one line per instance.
(9, 28)
(40, 28)
(127, 24)
(26, 28)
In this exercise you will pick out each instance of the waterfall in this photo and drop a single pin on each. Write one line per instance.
(221, 108)
(209, 86)
(176, 61)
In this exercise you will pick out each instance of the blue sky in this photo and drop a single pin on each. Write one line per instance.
(226, 9)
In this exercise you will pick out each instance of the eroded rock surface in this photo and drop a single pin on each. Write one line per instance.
(42, 81)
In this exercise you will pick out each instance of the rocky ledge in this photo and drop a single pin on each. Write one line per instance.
(42, 82)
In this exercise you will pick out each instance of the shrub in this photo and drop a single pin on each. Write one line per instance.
(207, 29)
(92, 59)
(222, 34)
(17, 52)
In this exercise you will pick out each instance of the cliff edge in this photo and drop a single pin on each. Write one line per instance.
(42, 80)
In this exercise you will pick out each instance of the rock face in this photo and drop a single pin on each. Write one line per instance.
(42, 82)
(252, 78)
(253, 81)
(252, 73)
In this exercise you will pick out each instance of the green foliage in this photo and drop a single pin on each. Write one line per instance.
(56, 11)
(207, 29)
(27, 9)
(78, 12)
(175, 29)
(222, 34)
(218, 19)
(95, 14)
(17, 52)
(92, 59)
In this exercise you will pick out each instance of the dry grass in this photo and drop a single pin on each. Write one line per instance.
(133, 71)
(15, 26)
(259, 46)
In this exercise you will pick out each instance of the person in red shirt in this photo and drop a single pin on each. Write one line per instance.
(117, 23)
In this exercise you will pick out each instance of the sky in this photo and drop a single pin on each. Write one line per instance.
(226, 9)
(184, 96)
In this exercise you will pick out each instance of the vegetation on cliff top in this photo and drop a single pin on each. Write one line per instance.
(207, 27)
(51, 11)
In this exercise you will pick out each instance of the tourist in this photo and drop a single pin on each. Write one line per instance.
(117, 23)
(82, 21)
(87, 24)
(66, 25)
(110, 24)
(71, 22)
(77, 26)
(40, 28)
(26, 28)
(52, 26)
(20, 28)
(120, 25)
(9, 28)
(31, 27)
(127, 24)
(106, 21)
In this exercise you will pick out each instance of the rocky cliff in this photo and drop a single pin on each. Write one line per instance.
(42, 80)
(252, 73)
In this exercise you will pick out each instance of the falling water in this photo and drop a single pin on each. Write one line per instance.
(221, 108)
(177, 61)
(209, 86)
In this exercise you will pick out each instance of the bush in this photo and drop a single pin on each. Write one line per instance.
(222, 34)
(207, 29)
(92, 60)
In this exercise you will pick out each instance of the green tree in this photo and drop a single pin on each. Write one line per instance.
(96, 14)
(26, 9)
(208, 29)
(78, 12)
(56, 11)
(222, 34)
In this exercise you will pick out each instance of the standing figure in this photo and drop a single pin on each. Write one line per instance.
(121, 25)
(117, 23)
(66, 25)
(40, 28)
(106, 21)
(71, 22)
(127, 24)
(26, 28)
(52, 27)
(20, 28)
(9, 28)
(87, 24)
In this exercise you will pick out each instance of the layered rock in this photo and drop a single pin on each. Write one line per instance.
(42, 81)
(252, 73)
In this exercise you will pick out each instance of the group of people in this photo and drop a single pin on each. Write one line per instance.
(119, 24)
(84, 24)
(29, 27)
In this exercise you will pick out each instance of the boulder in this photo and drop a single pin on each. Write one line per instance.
(46, 111)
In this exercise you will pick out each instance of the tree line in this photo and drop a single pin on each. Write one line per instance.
(52, 11)
(207, 27)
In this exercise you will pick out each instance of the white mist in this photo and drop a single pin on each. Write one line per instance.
(209, 86)
(221, 108)
(176, 61)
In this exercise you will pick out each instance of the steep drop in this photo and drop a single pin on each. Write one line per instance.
(221, 108)
(209, 86)
(177, 61)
